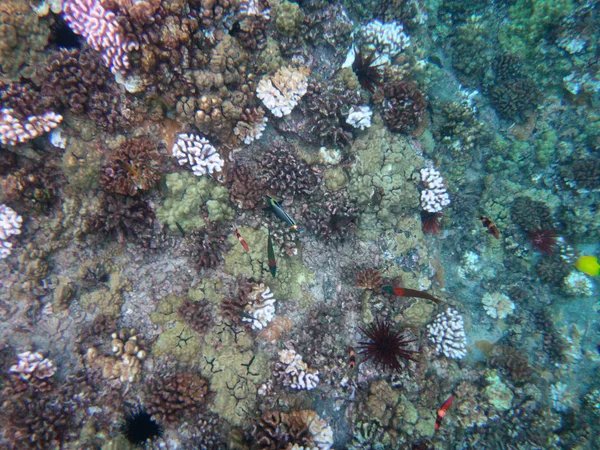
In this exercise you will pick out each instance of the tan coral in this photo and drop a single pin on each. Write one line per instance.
(125, 363)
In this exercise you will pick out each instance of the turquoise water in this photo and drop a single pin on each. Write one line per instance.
(299, 225)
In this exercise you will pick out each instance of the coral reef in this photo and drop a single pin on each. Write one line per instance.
(174, 398)
(206, 247)
(447, 333)
(10, 225)
(282, 92)
(294, 372)
(132, 168)
(369, 279)
(287, 175)
(260, 306)
(404, 106)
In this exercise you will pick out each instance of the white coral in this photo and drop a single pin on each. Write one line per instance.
(447, 333)
(261, 307)
(10, 222)
(250, 131)
(577, 284)
(197, 152)
(434, 197)
(360, 117)
(388, 38)
(497, 305)
(563, 398)
(282, 91)
(15, 131)
(302, 377)
(34, 365)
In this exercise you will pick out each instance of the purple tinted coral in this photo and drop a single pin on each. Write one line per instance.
(134, 167)
(404, 106)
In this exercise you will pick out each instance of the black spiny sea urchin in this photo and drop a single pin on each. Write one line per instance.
(139, 427)
(386, 346)
(368, 69)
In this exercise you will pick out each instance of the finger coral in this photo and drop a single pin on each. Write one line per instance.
(132, 168)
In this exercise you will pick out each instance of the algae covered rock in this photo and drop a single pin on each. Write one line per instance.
(190, 201)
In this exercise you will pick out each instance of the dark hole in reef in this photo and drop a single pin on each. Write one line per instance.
(62, 36)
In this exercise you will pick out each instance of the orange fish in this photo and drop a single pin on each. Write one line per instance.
(492, 229)
(442, 412)
(242, 240)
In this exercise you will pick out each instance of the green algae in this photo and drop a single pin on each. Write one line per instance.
(186, 195)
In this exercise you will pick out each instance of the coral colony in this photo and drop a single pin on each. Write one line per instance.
(261, 224)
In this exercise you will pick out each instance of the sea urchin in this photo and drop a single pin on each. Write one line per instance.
(543, 239)
(385, 346)
(139, 427)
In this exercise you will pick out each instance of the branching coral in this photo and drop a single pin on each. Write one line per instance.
(246, 190)
(132, 168)
(198, 315)
(282, 92)
(206, 247)
(531, 215)
(334, 216)
(512, 93)
(287, 175)
(124, 216)
(40, 420)
(326, 107)
(404, 106)
(175, 397)
(71, 76)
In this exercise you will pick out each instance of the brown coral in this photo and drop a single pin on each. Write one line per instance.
(198, 315)
(246, 190)
(404, 106)
(177, 396)
(32, 419)
(206, 247)
(512, 93)
(127, 217)
(513, 361)
(369, 279)
(531, 215)
(585, 173)
(132, 168)
(71, 75)
(326, 107)
(287, 175)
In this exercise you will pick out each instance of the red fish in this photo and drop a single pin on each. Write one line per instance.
(242, 240)
(442, 412)
(492, 229)
(403, 292)
(351, 357)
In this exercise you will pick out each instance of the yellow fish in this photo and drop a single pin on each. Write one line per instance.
(588, 265)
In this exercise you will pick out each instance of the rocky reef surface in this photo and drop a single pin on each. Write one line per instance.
(265, 224)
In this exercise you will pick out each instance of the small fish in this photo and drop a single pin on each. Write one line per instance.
(271, 256)
(180, 228)
(588, 265)
(277, 209)
(351, 357)
(442, 412)
(492, 229)
(242, 240)
(403, 292)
